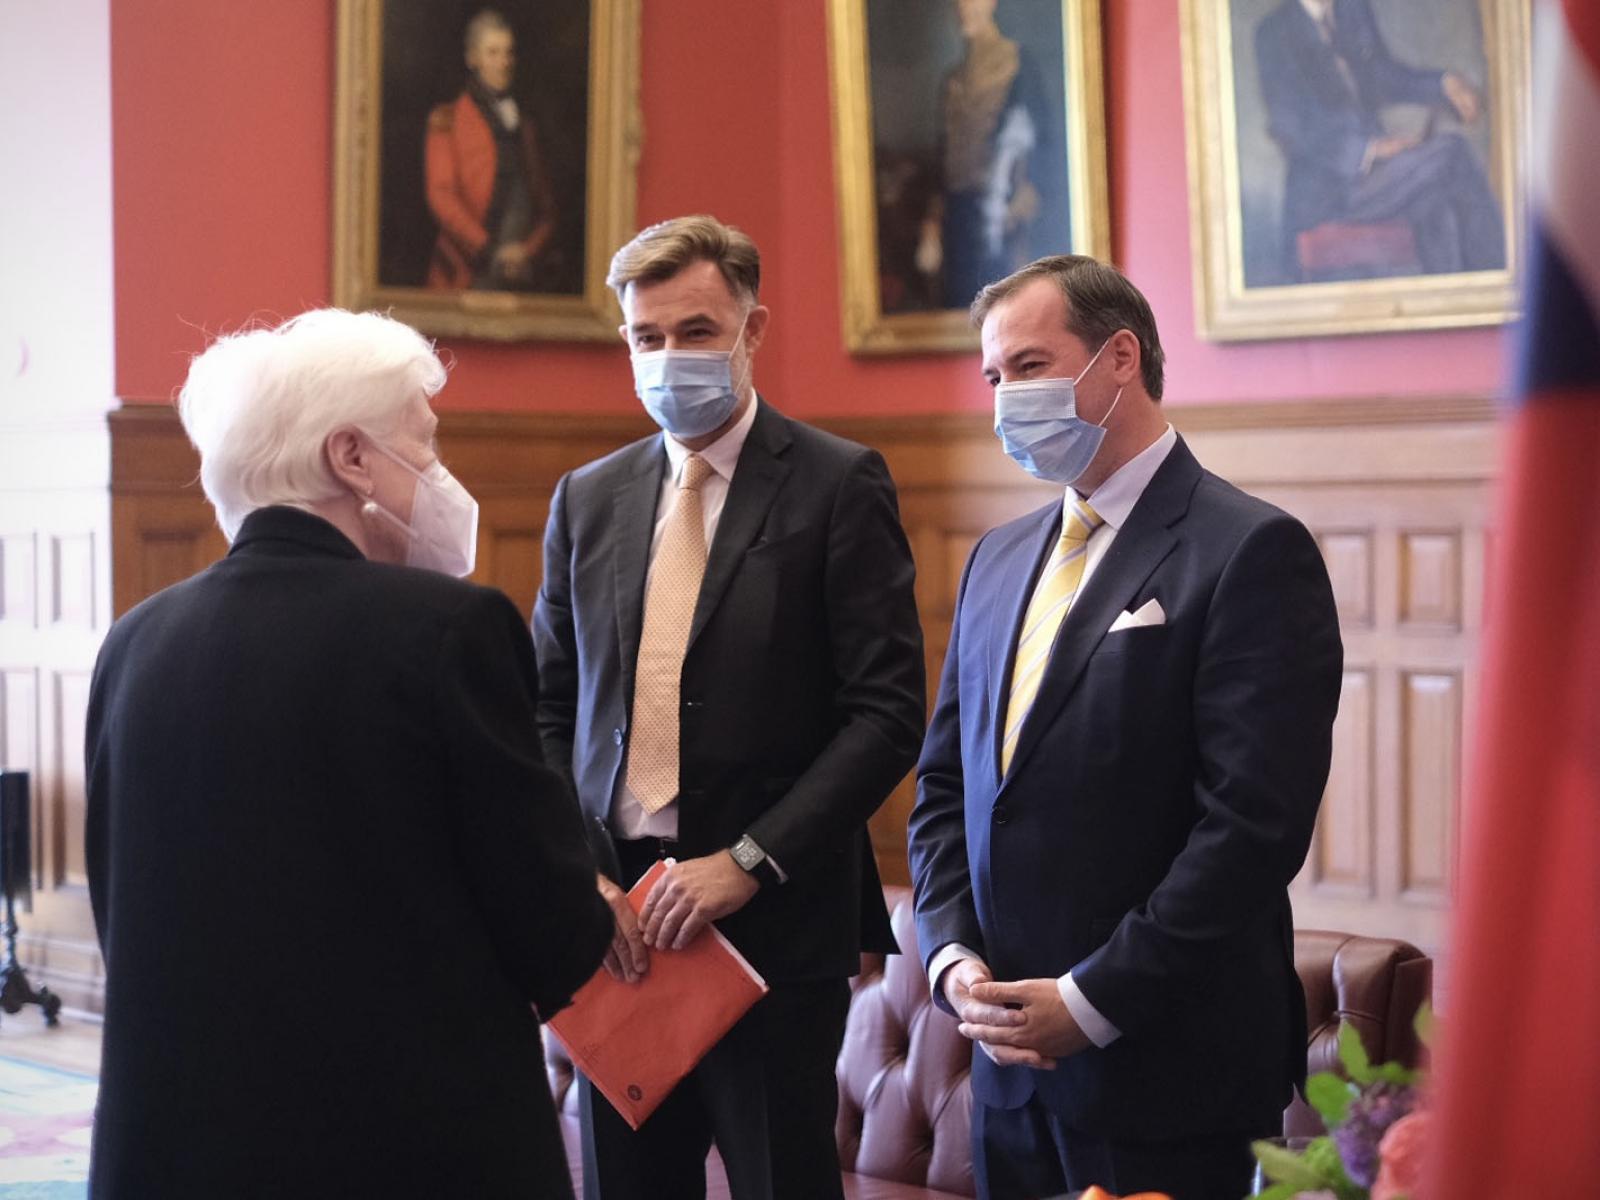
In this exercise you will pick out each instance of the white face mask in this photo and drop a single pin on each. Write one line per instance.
(443, 534)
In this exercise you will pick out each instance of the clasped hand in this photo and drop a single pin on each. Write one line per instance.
(1022, 1023)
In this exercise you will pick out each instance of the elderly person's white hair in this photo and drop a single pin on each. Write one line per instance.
(259, 405)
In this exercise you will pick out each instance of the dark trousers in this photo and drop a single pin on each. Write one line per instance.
(1441, 190)
(766, 1094)
(1026, 1154)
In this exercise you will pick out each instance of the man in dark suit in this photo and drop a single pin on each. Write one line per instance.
(1327, 76)
(732, 668)
(1121, 776)
(328, 868)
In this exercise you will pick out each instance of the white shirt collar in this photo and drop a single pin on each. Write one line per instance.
(722, 454)
(1114, 499)
(1317, 10)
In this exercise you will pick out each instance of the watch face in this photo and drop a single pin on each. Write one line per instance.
(746, 853)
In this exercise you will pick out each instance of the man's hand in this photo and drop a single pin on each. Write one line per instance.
(1388, 147)
(627, 959)
(692, 894)
(1463, 97)
(1045, 1032)
(958, 982)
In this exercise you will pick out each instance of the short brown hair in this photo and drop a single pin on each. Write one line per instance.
(663, 250)
(1100, 301)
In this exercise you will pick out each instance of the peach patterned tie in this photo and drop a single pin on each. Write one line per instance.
(669, 602)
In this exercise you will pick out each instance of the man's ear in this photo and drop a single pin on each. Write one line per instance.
(1125, 356)
(346, 451)
(755, 327)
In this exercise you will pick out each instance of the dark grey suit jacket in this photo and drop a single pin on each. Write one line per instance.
(803, 689)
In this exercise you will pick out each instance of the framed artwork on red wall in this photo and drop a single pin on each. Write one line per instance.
(485, 163)
(969, 139)
(1355, 166)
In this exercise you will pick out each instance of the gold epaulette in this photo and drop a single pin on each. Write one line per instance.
(442, 119)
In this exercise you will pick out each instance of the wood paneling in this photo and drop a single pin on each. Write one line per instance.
(1394, 490)
(54, 609)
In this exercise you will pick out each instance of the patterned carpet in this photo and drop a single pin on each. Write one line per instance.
(45, 1116)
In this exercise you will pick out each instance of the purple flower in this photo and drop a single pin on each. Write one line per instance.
(1378, 1107)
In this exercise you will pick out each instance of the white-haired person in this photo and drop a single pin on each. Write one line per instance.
(330, 872)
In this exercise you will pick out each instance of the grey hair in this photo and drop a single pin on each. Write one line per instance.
(487, 21)
(259, 404)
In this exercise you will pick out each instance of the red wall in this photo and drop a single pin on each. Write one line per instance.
(222, 120)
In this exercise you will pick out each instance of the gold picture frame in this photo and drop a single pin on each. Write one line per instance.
(403, 89)
(1283, 250)
(897, 114)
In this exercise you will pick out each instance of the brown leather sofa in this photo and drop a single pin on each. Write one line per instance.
(904, 1100)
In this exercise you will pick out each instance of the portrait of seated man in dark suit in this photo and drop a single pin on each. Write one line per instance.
(1329, 80)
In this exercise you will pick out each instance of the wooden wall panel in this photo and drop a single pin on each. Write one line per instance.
(1394, 490)
(1341, 853)
(54, 609)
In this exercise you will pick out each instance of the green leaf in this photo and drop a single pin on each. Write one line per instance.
(1330, 1096)
(1324, 1158)
(1278, 1191)
(1285, 1166)
(1425, 1023)
(1353, 1055)
(1393, 1072)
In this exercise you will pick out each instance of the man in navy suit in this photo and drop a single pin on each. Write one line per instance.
(1121, 776)
(1326, 77)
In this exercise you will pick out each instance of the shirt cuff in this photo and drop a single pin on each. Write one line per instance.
(783, 876)
(947, 957)
(1098, 1030)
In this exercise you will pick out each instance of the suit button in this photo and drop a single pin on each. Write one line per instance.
(694, 705)
(616, 737)
(1001, 816)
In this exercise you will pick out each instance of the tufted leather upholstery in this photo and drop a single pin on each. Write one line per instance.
(905, 1106)
(904, 1100)
(1374, 984)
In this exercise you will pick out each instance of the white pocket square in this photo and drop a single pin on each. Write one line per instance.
(1149, 613)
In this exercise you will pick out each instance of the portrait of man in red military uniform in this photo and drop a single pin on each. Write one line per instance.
(487, 184)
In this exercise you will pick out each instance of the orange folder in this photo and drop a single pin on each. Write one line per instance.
(636, 1041)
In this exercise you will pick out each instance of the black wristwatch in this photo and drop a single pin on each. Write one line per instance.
(753, 859)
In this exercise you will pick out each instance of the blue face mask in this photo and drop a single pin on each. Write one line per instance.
(1038, 424)
(688, 393)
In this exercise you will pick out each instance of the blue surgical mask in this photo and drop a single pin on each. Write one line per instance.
(688, 393)
(1038, 424)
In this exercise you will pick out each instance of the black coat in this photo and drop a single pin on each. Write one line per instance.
(329, 873)
(803, 699)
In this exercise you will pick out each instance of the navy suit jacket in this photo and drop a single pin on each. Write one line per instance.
(803, 691)
(1161, 798)
(1323, 126)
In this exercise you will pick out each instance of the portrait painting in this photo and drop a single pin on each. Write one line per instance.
(1355, 164)
(969, 140)
(485, 162)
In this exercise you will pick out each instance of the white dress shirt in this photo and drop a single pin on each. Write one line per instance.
(628, 817)
(1113, 500)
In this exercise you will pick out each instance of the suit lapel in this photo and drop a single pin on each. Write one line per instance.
(633, 520)
(1022, 560)
(1137, 550)
(756, 482)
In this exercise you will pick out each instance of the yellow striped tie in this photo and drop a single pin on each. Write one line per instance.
(1053, 596)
